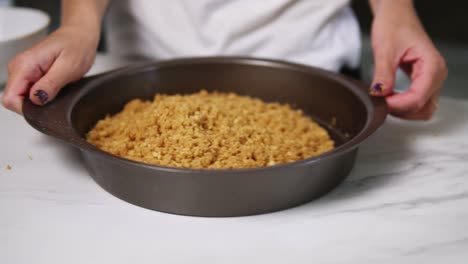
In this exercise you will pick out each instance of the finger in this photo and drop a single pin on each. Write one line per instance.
(384, 73)
(47, 87)
(15, 91)
(426, 113)
(21, 74)
(13, 102)
(424, 84)
(427, 78)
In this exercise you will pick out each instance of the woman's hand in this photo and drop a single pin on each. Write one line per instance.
(41, 71)
(399, 40)
(64, 56)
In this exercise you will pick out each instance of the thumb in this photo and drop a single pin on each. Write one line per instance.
(59, 74)
(384, 74)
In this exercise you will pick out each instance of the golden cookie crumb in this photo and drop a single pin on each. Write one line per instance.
(210, 130)
(8, 167)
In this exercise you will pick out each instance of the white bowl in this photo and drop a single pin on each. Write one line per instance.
(20, 28)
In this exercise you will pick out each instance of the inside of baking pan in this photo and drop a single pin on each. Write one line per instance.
(330, 103)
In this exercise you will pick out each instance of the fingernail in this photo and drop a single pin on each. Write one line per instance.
(42, 95)
(377, 88)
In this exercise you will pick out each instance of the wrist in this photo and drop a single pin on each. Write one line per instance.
(83, 15)
(91, 24)
(87, 35)
(378, 6)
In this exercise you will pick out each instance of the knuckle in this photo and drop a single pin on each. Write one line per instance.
(427, 115)
(48, 83)
(19, 61)
(416, 100)
(444, 68)
(7, 102)
(441, 65)
(11, 66)
(419, 103)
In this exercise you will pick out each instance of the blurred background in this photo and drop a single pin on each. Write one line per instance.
(444, 21)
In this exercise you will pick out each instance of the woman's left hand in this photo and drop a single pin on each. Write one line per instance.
(399, 41)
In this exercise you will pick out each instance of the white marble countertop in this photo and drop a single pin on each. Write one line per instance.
(406, 201)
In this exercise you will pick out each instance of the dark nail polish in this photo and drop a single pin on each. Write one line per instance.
(377, 88)
(42, 95)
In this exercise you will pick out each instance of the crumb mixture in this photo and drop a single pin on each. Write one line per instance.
(210, 130)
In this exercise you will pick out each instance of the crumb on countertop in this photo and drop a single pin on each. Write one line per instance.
(8, 167)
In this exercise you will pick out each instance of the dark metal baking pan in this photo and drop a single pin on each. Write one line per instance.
(323, 95)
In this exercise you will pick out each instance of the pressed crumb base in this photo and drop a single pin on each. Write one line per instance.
(210, 130)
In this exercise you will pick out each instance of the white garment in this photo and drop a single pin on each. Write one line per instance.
(322, 33)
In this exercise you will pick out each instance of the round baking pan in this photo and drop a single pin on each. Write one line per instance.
(339, 104)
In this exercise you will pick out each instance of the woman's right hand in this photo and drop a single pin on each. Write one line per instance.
(41, 71)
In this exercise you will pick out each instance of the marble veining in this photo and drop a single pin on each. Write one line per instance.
(406, 201)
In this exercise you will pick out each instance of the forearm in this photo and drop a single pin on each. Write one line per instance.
(85, 14)
(395, 14)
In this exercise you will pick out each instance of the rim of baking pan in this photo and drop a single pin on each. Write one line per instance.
(376, 109)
